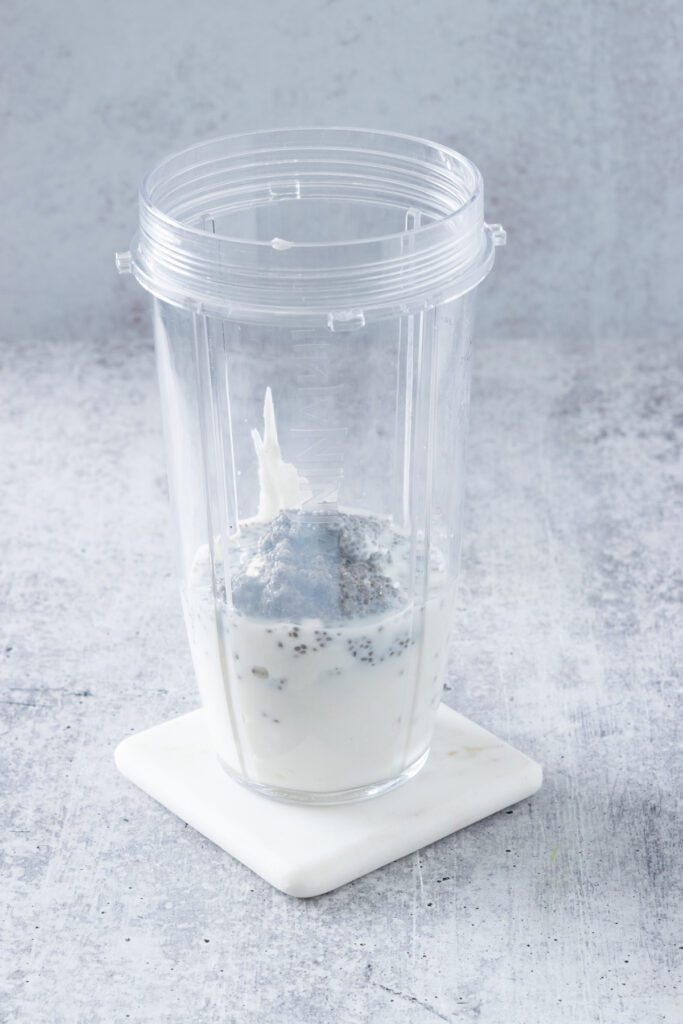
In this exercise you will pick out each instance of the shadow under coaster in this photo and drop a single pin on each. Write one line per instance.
(309, 850)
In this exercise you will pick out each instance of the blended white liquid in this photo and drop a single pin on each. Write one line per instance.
(322, 704)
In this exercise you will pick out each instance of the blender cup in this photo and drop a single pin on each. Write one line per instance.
(313, 294)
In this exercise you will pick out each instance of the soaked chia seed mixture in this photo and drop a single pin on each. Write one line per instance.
(324, 648)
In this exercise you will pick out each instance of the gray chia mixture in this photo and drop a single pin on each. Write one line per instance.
(328, 566)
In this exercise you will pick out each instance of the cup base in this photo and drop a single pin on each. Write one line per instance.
(326, 799)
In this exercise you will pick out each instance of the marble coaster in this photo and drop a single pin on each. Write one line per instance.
(306, 851)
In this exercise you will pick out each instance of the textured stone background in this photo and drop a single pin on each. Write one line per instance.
(567, 644)
(571, 108)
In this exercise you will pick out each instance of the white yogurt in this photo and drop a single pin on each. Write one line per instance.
(316, 707)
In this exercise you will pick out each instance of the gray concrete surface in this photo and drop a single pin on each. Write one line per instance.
(568, 645)
(572, 111)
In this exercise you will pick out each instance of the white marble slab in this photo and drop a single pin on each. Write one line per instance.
(306, 851)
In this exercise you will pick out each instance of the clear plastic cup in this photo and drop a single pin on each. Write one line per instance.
(313, 294)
